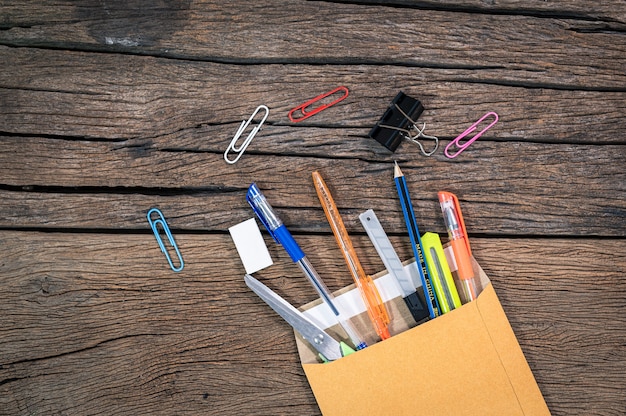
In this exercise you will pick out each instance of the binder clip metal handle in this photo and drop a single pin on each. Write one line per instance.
(457, 142)
(414, 137)
(399, 121)
(239, 149)
(154, 224)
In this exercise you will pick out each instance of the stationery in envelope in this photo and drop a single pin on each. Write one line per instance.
(465, 362)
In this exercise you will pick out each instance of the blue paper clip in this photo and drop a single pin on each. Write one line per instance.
(154, 225)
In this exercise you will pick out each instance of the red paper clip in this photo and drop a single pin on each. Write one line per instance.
(461, 147)
(306, 114)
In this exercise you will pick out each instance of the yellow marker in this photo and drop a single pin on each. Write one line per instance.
(440, 273)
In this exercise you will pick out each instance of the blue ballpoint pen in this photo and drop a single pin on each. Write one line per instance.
(282, 236)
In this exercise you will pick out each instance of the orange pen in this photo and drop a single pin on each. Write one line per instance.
(373, 302)
(460, 243)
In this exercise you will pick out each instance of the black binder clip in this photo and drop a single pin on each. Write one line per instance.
(399, 121)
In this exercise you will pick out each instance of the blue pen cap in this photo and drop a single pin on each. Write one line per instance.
(263, 209)
(272, 223)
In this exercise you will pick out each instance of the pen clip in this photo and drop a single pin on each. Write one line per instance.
(253, 196)
(457, 208)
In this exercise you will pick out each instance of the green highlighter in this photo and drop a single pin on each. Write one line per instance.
(442, 280)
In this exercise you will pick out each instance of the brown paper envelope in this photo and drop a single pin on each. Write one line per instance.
(466, 362)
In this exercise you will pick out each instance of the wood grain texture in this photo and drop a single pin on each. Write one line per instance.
(97, 323)
(524, 188)
(109, 108)
(524, 49)
(606, 11)
(148, 98)
(25, 14)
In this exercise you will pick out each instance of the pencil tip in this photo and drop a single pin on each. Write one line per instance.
(396, 170)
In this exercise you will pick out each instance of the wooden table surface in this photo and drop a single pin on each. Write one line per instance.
(109, 108)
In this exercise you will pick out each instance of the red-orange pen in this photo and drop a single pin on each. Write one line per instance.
(460, 243)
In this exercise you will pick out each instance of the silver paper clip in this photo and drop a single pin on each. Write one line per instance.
(244, 124)
(154, 225)
(471, 128)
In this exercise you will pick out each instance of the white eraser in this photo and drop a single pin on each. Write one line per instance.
(250, 246)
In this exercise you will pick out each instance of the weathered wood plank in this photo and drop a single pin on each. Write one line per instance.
(117, 344)
(512, 48)
(24, 14)
(609, 11)
(153, 341)
(183, 99)
(505, 188)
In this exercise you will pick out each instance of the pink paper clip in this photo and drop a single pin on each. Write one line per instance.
(303, 107)
(465, 145)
